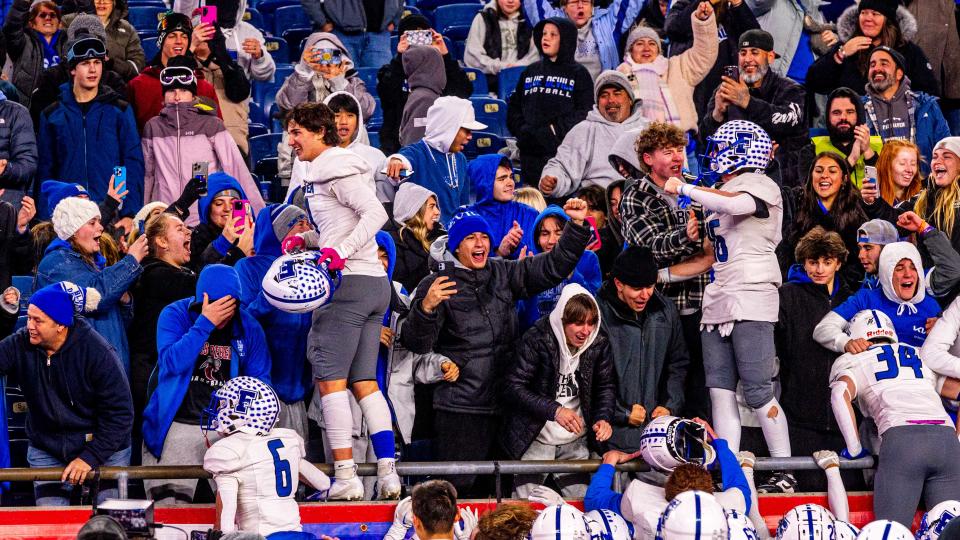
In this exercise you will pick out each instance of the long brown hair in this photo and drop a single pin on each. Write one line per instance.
(846, 210)
(890, 36)
(417, 225)
(885, 170)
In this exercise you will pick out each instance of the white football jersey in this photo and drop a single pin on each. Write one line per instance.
(267, 470)
(893, 386)
(643, 503)
(746, 274)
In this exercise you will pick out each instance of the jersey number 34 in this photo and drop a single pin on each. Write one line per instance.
(903, 357)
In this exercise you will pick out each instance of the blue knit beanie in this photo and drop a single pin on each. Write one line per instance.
(55, 302)
(463, 224)
(218, 280)
(54, 191)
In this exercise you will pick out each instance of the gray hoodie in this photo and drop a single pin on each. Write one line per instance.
(426, 78)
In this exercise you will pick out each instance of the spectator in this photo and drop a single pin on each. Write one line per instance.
(353, 136)
(871, 238)
(813, 288)
(623, 158)
(34, 42)
(75, 256)
(506, 522)
(599, 24)
(898, 172)
(829, 200)
(595, 197)
(165, 279)
(145, 92)
(80, 412)
(392, 81)
(286, 332)
(218, 238)
(123, 44)
(90, 131)
(18, 148)
(52, 192)
(552, 96)
(187, 132)
(434, 509)
(531, 197)
(798, 29)
(476, 329)
(646, 339)
(773, 102)
(937, 36)
(500, 37)
(664, 86)
(202, 341)
(437, 161)
(364, 27)
(582, 159)
(15, 253)
(423, 67)
(416, 210)
(546, 233)
(848, 134)
(895, 111)
(560, 391)
(862, 28)
(511, 223)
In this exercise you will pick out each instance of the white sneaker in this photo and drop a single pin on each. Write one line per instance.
(346, 489)
(388, 481)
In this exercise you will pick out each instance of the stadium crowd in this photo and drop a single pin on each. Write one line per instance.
(679, 210)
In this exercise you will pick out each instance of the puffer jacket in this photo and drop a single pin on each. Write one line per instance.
(123, 43)
(18, 145)
(477, 327)
(26, 49)
(183, 134)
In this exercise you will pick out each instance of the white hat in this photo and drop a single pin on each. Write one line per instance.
(409, 200)
(949, 143)
(71, 214)
(454, 108)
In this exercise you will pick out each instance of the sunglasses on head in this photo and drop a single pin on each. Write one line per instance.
(87, 48)
(182, 75)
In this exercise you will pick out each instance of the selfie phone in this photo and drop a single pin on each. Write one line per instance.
(732, 72)
(240, 214)
(419, 37)
(208, 14)
(200, 170)
(596, 243)
(120, 179)
(870, 173)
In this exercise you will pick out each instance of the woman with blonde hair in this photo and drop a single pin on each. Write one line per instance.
(898, 171)
(415, 208)
(530, 197)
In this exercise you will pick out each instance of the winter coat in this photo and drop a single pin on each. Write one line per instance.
(207, 243)
(350, 15)
(939, 41)
(500, 216)
(804, 363)
(123, 43)
(650, 356)
(777, 106)
(78, 400)
(826, 75)
(84, 146)
(61, 263)
(476, 328)
(48, 87)
(146, 93)
(426, 79)
(25, 47)
(928, 119)
(412, 260)
(784, 20)
(18, 145)
(551, 97)
(532, 380)
(181, 135)
(494, 41)
(442, 172)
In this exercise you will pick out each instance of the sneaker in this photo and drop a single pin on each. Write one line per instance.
(346, 489)
(388, 481)
(779, 482)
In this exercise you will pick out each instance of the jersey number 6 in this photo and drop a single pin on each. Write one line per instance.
(281, 469)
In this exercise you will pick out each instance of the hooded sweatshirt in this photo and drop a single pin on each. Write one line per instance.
(583, 158)
(181, 135)
(495, 41)
(207, 243)
(426, 79)
(551, 97)
(909, 316)
(360, 145)
(500, 216)
(894, 116)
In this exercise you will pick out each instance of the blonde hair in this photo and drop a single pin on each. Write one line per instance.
(942, 211)
(530, 197)
(156, 227)
(885, 170)
(417, 225)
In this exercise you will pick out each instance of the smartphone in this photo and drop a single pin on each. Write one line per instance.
(327, 57)
(120, 179)
(419, 37)
(240, 214)
(198, 535)
(200, 170)
(870, 175)
(596, 243)
(208, 15)
(732, 72)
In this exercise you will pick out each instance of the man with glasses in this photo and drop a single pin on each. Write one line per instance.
(600, 23)
(34, 41)
(90, 131)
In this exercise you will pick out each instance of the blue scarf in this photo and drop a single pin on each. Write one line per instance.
(51, 56)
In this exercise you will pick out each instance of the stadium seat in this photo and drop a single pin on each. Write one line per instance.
(265, 93)
(483, 143)
(266, 169)
(457, 32)
(255, 18)
(410, 10)
(455, 15)
(375, 122)
(264, 146)
(374, 137)
(287, 17)
(256, 128)
(275, 122)
(430, 5)
(150, 45)
(257, 114)
(479, 80)
(267, 8)
(459, 48)
(16, 408)
(493, 113)
(507, 81)
(369, 77)
(145, 17)
(296, 38)
(278, 49)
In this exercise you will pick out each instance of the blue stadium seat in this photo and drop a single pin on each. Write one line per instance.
(456, 32)
(479, 80)
(148, 3)
(374, 137)
(257, 114)
(483, 143)
(268, 7)
(256, 128)
(21, 322)
(276, 123)
(375, 122)
(149, 43)
(266, 169)
(287, 17)
(278, 49)
(296, 38)
(145, 17)
(410, 10)
(265, 93)
(507, 81)
(454, 15)
(16, 408)
(459, 48)
(255, 18)
(264, 146)
(24, 284)
(430, 5)
(369, 77)
(493, 113)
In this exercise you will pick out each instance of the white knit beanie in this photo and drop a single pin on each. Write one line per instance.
(71, 214)
(951, 144)
(144, 213)
(408, 201)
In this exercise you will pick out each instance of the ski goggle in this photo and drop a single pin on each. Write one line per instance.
(327, 57)
(86, 49)
(177, 74)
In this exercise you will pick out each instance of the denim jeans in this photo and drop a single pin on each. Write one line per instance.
(367, 49)
(51, 493)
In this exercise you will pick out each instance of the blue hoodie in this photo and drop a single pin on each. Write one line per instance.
(587, 274)
(499, 215)
(181, 332)
(286, 332)
(385, 243)
(443, 173)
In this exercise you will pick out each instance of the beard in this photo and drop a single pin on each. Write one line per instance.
(762, 70)
(882, 85)
(843, 136)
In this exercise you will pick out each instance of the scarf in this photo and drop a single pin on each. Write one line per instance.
(51, 56)
(652, 92)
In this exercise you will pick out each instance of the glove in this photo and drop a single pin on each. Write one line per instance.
(846, 455)
(545, 496)
(826, 459)
(332, 258)
(746, 459)
(294, 244)
(463, 529)
(195, 188)
(402, 520)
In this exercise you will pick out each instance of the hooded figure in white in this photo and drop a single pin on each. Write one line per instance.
(359, 143)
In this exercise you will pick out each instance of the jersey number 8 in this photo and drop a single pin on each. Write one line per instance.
(281, 469)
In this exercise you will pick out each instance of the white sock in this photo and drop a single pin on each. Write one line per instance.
(773, 421)
(754, 514)
(837, 494)
(376, 412)
(344, 469)
(726, 416)
(338, 420)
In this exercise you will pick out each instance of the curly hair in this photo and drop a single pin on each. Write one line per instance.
(315, 117)
(508, 522)
(687, 477)
(820, 243)
(846, 210)
(658, 135)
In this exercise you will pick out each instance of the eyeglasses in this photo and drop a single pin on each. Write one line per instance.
(86, 49)
(180, 74)
(51, 15)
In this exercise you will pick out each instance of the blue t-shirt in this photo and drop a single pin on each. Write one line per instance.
(911, 327)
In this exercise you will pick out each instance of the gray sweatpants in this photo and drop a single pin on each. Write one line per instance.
(184, 445)
(345, 336)
(915, 460)
(572, 485)
(746, 355)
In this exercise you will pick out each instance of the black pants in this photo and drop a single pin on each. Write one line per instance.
(697, 398)
(465, 437)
